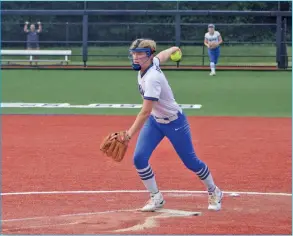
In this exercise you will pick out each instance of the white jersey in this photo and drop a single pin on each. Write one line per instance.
(215, 37)
(154, 86)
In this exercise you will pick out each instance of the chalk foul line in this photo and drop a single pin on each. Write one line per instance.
(139, 191)
(96, 105)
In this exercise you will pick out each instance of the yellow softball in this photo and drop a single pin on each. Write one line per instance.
(176, 56)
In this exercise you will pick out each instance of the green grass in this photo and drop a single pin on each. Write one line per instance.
(192, 55)
(230, 93)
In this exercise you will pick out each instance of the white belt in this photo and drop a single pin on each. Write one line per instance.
(166, 120)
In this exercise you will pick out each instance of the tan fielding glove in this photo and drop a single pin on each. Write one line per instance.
(115, 145)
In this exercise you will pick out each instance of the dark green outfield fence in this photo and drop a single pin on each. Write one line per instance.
(101, 37)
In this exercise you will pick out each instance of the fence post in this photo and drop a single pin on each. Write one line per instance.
(85, 39)
(202, 60)
(283, 50)
(178, 31)
(282, 57)
(279, 40)
(66, 33)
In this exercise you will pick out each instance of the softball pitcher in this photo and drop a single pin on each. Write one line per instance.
(213, 39)
(161, 117)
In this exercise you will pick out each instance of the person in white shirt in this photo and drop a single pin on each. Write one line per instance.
(212, 40)
(160, 117)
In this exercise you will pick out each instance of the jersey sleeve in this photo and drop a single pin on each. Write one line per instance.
(156, 61)
(152, 89)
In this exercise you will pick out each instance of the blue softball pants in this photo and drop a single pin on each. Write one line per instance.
(177, 131)
(214, 55)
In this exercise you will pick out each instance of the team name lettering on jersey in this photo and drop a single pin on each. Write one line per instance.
(213, 37)
(140, 90)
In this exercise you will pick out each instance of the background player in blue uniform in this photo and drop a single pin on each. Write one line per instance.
(213, 39)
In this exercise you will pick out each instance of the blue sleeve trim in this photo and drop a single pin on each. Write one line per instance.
(151, 98)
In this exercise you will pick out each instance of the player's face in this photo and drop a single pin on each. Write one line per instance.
(32, 27)
(211, 30)
(139, 57)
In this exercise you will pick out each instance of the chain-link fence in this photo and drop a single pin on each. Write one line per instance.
(248, 40)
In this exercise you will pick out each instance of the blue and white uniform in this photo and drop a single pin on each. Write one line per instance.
(167, 120)
(214, 53)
